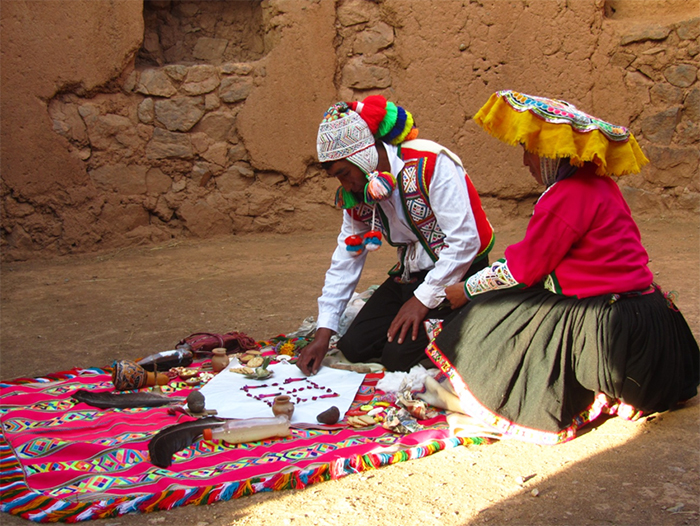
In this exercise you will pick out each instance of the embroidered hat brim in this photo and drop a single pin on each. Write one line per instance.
(555, 129)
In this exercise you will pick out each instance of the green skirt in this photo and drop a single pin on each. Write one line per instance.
(535, 363)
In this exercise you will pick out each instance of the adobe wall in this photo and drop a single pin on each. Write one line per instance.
(126, 124)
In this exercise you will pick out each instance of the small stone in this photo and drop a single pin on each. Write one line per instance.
(622, 59)
(329, 416)
(155, 82)
(201, 79)
(689, 29)
(130, 82)
(373, 39)
(645, 33)
(166, 144)
(211, 101)
(176, 71)
(360, 75)
(179, 113)
(236, 68)
(664, 93)
(352, 13)
(195, 402)
(535, 492)
(681, 75)
(660, 127)
(179, 186)
(234, 89)
(237, 152)
(216, 153)
(676, 509)
(146, 110)
(691, 107)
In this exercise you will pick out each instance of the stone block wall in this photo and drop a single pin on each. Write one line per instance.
(162, 147)
(632, 62)
(661, 66)
(198, 118)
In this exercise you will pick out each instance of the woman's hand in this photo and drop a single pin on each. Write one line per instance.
(456, 295)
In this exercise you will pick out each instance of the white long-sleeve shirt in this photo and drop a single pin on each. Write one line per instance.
(449, 200)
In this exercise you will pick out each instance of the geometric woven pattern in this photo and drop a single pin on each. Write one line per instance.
(61, 460)
(414, 188)
(495, 277)
(561, 112)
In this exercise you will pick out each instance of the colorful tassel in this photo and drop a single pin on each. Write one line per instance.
(354, 245)
(379, 186)
(345, 199)
(372, 240)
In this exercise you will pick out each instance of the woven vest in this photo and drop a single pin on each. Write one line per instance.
(419, 157)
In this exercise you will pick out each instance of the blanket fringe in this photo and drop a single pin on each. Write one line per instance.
(17, 499)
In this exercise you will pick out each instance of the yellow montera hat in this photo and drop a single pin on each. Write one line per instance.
(554, 129)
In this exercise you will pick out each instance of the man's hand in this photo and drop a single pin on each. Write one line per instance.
(410, 317)
(455, 295)
(312, 355)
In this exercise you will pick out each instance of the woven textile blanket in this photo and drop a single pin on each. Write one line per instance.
(61, 460)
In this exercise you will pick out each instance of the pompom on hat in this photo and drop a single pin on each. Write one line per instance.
(387, 121)
(556, 129)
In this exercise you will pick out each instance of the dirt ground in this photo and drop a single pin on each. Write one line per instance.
(89, 310)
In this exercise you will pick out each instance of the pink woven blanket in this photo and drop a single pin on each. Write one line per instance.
(61, 460)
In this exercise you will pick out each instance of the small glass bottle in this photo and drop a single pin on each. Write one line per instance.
(249, 430)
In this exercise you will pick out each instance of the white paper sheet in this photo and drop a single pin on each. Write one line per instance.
(226, 392)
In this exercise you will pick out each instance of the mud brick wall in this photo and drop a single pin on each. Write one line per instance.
(138, 123)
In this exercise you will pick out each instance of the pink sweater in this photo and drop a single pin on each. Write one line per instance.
(583, 234)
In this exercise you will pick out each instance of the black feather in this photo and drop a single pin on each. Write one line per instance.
(175, 438)
(106, 400)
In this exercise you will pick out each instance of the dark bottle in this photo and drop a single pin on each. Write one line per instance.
(164, 360)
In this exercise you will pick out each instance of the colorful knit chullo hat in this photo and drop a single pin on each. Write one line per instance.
(348, 131)
(556, 129)
(343, 134)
